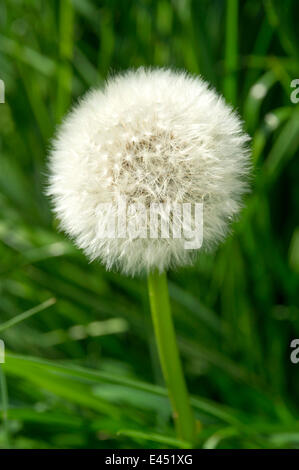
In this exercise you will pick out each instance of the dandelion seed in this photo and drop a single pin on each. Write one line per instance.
(181, 143)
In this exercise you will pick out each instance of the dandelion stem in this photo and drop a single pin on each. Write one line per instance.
(169, 356)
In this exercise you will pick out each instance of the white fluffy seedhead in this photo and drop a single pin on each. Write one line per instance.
(150, 136)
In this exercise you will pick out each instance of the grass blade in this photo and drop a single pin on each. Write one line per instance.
(231, 52)
(23, 316)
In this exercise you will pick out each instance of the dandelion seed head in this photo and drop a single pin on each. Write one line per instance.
(149, 136)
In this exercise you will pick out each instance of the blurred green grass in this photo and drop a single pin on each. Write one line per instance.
(236, 310)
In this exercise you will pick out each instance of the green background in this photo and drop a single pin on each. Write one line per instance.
(71, 383)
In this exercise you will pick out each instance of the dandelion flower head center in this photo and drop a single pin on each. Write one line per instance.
(147, 158)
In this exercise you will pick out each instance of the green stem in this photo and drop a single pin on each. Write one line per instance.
(4, 406)
(169, 356)
(66, 46)
(231, 52)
